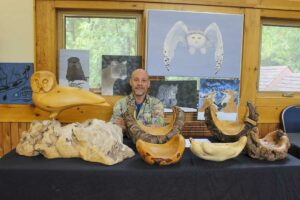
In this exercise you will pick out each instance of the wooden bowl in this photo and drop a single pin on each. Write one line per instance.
(162, 154)
(230, 131)
(157, 135)
(274, 146)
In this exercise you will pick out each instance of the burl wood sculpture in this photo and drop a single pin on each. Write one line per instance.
(274, 146)
(217, 151)
(49, 96)
(162, 154)
(230, 131)
(93, 140)
(157, 135)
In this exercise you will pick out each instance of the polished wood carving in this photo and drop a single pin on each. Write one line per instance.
(162, 154)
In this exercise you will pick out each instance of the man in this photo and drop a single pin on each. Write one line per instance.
(149, 110)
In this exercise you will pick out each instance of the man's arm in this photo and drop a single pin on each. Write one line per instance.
(116, 117)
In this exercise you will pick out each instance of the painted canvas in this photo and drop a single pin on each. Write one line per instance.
(175, 93)
(15, 83)
(223, 94)
(74, 68)
(198, 44)
(116, 71)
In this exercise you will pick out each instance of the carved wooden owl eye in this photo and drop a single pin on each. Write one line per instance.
(43, 81)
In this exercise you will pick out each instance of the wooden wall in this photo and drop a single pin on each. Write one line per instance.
(16, 118)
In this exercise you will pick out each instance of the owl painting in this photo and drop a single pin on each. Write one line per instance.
(195, 40)
(194, 44)
(49, 96)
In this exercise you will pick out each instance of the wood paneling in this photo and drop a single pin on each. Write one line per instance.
(14, 119)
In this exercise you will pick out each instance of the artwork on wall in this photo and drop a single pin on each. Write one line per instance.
(223, 94)
(15, 83)
(194, 44)
(179, 93)
(74, 68)
(116, 71)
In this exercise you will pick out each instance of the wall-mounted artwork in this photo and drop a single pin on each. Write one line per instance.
(194, 44)
(15, 83)
(116, 71)
(74, 68)
(223, 94)
(175, 93)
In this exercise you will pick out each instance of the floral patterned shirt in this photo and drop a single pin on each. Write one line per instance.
(151, 112)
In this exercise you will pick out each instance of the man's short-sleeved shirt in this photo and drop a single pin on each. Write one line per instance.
(151, 112)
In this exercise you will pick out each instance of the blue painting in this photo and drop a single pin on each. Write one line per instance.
(15, 83)
(194, 44)
(223, 94)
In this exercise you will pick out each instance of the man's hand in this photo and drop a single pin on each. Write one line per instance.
(120, 122)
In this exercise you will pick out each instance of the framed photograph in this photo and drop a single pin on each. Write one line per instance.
(116, 72)
(15, 83)
(181, 43)
(223, 94)
(74, 68)
(175, 93)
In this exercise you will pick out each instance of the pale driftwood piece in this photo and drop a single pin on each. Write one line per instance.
(93, 140)
(162, 154)
(274, 146)
(49, 96)
(230, 131)
(157, 135)
(217, 151)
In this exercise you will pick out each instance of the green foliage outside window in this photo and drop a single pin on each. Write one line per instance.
(102, 36)
(280, 46)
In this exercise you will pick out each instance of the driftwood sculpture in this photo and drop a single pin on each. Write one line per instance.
(93, 140)
(49, 96)
(162, 154)
(217, 151)
(230, 131)
(157, 135)
(274, 146)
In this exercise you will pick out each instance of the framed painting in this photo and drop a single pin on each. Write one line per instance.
(116, 72)
(74, 68)
(181, 43)
(175, 93)
(223, 94)
(15, 83)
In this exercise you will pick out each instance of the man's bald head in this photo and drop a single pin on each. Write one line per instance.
(139, 82)
(140, 73)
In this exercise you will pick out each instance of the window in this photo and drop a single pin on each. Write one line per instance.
(104, 33)
(280, 56)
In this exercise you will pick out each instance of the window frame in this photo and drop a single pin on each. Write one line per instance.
(283, 18)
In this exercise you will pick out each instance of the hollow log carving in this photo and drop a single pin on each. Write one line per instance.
(162, 154)
(230, 131)
(274, 146)
(158, 135)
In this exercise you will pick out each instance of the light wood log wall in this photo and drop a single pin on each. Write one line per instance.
(14, 119)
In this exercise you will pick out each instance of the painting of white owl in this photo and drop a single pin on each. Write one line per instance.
(181, 43)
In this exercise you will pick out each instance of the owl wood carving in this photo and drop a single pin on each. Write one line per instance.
(49, 96)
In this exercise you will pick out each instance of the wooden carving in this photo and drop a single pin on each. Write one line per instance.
(230, 131)
(93, 140)
(49, 96)
(217, 151)
(274, 146)
(162, 154)
(157, 135)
